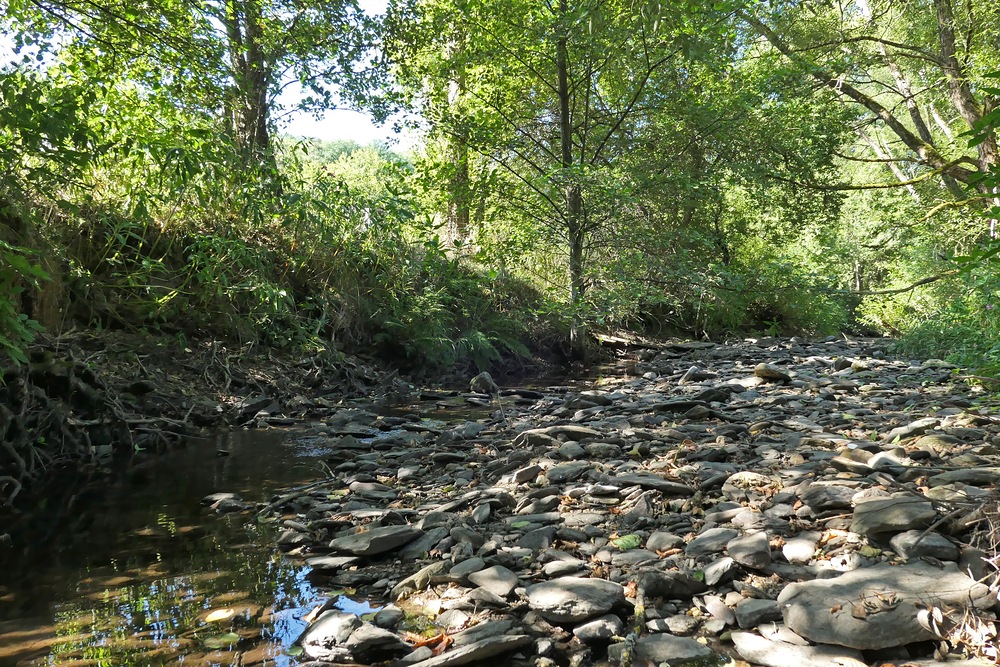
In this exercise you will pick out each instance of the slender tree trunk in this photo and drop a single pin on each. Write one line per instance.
(574, 197)
(458, 149)
(251, 75)
(958, 84)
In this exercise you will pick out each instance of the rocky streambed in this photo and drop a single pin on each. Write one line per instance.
(773, 502)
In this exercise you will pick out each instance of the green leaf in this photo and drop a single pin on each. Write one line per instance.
(219, 641)
(626, 542)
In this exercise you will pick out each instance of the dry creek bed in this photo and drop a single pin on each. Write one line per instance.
(771, 502)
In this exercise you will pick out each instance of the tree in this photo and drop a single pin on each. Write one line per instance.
(552, 97)
(230, 56)
(916, 74)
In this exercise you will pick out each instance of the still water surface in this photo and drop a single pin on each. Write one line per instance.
(131, 574)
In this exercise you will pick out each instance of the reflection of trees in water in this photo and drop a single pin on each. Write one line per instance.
(156, 614)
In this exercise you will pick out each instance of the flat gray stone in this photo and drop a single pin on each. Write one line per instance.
(376, 541)
(476, 651)
(372, 644)
(761, 651)
(324, 639)
(567, 472)
(885, 596)
(574, 599)
(664, 541)
(711, 541)
(917, 543)
(896, 514)
(663, 648)
(602, 627)
(650, 481)
(497, 580)
(752, 550)
(771, 372)
(822, 497)
(752, 612)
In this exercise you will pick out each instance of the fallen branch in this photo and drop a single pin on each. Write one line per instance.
(983, 378)
(899, 290)
(636, 629)
(295, 493)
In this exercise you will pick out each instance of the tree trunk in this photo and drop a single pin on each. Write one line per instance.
(251, 76)
(572, 193)
(458, 149)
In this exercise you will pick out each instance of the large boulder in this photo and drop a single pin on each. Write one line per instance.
(876, 607)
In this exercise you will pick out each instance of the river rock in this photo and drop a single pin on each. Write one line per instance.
(876, 607)
(376, 541)
(497, 580)
(369, 643)
(918, 543)
(574, 599)
(661, 648)
(477, 651)
(671, 585)
(710, 541)
(771, 372)
(896, 514)
(603, 627)
(752, 550)
(761, 651)
(324, 639)
(567, 472)
(822, 497)
(752, 612)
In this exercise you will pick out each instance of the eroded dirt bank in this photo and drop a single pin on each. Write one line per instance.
(88, 398)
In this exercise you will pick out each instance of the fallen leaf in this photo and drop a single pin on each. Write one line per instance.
(219, 615)
(219, 641)
(311, 616)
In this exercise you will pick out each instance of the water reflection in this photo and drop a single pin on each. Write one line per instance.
(131, 575)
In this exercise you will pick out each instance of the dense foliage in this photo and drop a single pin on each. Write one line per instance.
(774, 167)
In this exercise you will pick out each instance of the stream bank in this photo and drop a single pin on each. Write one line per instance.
(88, 400)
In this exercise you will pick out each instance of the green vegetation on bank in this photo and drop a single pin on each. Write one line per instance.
(738, 166)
